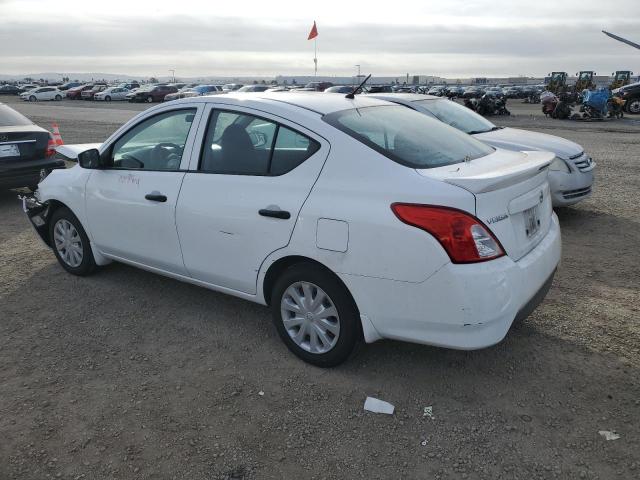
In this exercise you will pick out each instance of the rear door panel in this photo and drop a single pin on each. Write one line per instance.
(224, 239)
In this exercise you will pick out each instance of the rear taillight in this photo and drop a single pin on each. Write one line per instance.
(51, 147)
(465, 238)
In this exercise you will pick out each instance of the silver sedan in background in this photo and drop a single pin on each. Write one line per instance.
(571, 174)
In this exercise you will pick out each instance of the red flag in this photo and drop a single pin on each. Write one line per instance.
(314, 32)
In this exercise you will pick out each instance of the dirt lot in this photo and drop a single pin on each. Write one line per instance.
(126, 374)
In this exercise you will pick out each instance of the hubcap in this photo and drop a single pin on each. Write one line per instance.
(634, 107)
(68, 243)
(310, 317)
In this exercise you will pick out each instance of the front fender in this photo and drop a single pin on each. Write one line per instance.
(39, 215)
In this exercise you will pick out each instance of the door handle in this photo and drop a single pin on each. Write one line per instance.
(282, 214)
(156, 197)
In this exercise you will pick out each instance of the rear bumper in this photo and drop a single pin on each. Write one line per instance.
(460, 306)
(25, 173)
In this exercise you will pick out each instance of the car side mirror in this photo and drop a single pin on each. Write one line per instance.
(90, 159)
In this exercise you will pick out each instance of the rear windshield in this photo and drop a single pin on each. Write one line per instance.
(408, 137)
(457, 116)
(9, 117)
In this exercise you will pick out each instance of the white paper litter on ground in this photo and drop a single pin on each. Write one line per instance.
(609, 435)
(378, 406)
(428, 412)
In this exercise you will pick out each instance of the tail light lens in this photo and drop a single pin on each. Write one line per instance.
(465, 238)
(51, 147)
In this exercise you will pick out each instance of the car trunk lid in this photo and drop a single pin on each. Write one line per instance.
(19, 143)
(512, 195)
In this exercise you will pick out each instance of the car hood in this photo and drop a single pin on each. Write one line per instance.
(525, 140)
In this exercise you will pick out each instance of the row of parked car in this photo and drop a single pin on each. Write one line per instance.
(451, 91)
(129, 91)
(477, 91)
(135, 92)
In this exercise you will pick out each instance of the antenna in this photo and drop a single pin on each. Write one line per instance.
(359, 87)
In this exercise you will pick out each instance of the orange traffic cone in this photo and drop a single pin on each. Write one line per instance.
(57, 138)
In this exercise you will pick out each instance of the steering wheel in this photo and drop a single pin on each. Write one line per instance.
(161, 154)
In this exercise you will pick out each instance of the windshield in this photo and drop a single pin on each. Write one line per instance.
(407, 137)
(457, 116)
(9, 117)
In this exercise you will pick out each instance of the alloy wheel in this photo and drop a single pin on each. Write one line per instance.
(68, 243)
(634, 106)
(310, 317)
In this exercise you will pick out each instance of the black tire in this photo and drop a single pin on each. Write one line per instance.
(633, 106)
(149, 99)
(33, 98)
(107, 98)
(58, 98)
(350, 327)
(87, 266)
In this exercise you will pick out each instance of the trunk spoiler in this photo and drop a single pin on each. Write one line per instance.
(493, 172)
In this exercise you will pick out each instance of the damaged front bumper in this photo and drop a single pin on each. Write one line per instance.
(38, 214)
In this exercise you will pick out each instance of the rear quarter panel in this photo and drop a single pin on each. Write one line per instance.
(358, 186)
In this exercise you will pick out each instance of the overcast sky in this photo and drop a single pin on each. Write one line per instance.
(207, 38)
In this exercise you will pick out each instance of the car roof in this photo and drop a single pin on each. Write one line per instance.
(317, 102)
(403, 97)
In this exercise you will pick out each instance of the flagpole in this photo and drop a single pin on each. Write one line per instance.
(315, 56)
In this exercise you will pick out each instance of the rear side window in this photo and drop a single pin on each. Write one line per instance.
(291, 149)
(241, 144)
(9, 117)
(408, 137)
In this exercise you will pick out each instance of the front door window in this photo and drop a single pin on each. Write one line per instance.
(156, 143)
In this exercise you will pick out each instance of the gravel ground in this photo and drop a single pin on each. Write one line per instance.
(126, 374)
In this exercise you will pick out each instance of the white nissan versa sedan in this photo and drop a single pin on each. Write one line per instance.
(351, 218)
(571, 172)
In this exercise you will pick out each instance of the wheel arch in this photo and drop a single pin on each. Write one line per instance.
(54, 205)
(281, 264)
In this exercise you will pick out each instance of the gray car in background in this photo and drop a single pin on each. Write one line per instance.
(570, 175)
